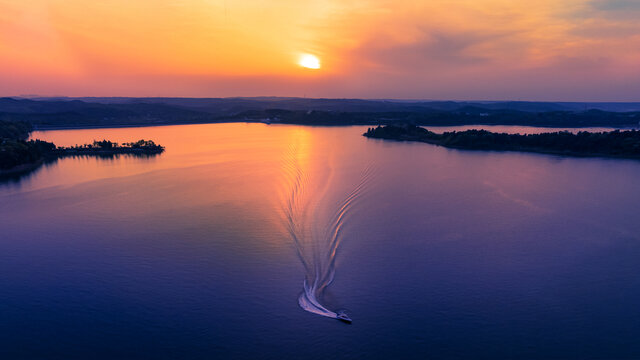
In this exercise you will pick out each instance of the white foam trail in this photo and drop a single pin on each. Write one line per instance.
(316, 245)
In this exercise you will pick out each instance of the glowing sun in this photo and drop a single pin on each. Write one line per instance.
(309, 61)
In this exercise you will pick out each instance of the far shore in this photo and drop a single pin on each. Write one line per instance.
(232, 121)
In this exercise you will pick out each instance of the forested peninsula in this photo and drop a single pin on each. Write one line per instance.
(619, 144)
(19, 155)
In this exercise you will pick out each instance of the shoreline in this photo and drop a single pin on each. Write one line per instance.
(31, 155)
(522, 150)
(63, 152)
(421, 135)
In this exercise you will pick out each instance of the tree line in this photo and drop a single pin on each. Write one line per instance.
(613, 143)
(17, 152)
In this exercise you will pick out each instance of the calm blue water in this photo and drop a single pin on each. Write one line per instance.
(203, 251)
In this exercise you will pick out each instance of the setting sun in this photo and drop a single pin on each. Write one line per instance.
(309, 61)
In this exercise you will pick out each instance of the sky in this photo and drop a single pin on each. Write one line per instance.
(568, 50)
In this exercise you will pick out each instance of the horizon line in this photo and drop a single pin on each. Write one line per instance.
(35, 97)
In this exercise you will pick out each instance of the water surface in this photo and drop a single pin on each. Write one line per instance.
(439, 253)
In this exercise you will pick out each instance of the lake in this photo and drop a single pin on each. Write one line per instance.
(215, 248)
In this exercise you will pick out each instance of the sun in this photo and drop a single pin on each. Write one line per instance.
(309, 61)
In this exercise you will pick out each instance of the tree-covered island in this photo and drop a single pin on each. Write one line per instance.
(622, 144)
(19, 155)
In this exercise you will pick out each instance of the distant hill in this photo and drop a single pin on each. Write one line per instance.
(60, 113)
(237, 104)
(122, 111)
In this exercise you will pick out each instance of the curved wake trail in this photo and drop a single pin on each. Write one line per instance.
(316, 242)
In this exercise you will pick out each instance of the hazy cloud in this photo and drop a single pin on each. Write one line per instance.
(432, 48)
(616, 5)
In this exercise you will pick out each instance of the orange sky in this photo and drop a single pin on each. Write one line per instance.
(429, 49)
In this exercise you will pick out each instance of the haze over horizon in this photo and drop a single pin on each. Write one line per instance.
(575, 50)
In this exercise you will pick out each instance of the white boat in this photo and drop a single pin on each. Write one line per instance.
(343, 317)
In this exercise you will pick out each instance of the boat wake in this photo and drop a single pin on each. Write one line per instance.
(315, 223)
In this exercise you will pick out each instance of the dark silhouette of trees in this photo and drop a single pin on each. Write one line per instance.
(15, 130)
(17, 153)
(15, 150)
(432, 117)
(106, 147)
(614, 143)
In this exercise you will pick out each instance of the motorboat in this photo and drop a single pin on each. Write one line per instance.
(342, 316)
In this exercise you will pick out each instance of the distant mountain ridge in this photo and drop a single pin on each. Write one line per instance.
(123, 111)
(352, 105)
